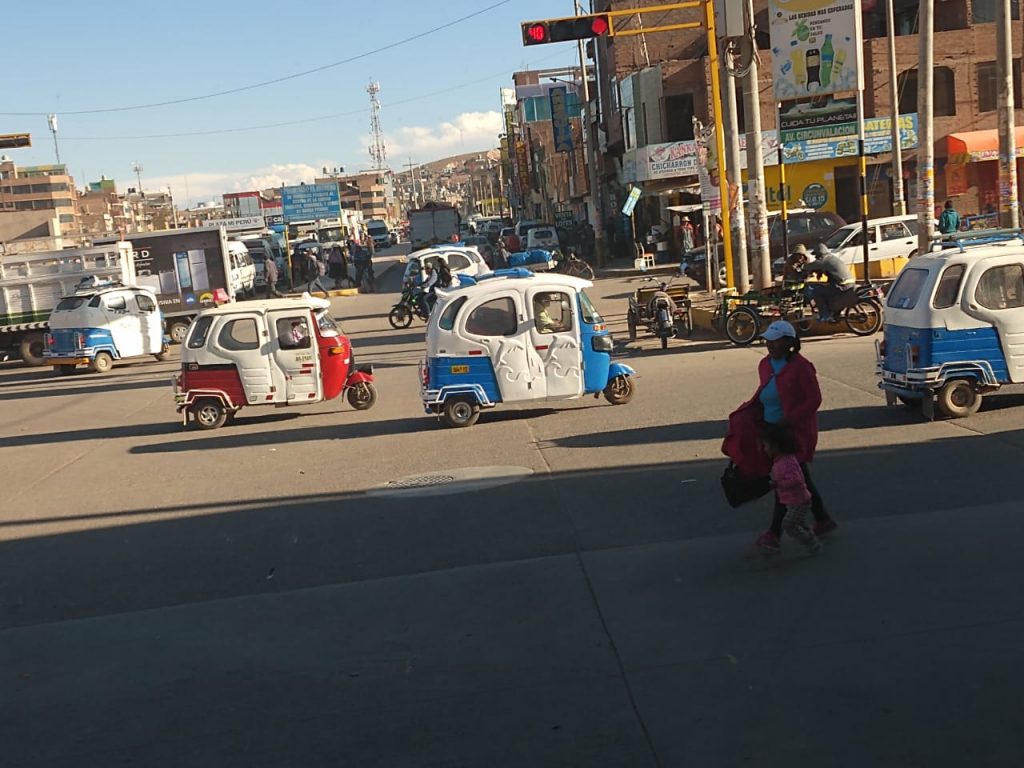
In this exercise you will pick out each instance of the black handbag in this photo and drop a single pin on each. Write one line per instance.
(740, 488)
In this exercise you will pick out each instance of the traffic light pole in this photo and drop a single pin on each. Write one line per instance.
(716, 103)
(590, 137)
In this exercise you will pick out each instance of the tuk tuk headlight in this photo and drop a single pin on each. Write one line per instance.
(601, 343)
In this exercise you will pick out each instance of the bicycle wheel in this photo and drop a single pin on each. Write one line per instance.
(742, 325)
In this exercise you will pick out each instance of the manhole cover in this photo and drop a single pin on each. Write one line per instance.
(420, 481)
(451, 481)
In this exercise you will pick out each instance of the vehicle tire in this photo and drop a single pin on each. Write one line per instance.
(864, 318)
(803, 326)
(958, 398)
(178, 330)
(684, 326)
(102, 363)
(31, 350)
(742, 325)
(619, 390)
(362, 396)
(460, 412)
(400, 317)
(631, 325)
(162, 354)
(66, 370)
(209, 413)
(664, 342)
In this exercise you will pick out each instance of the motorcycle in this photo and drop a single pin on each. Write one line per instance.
(663, 311)
(571, 264)
(412, 304)
(859, 309)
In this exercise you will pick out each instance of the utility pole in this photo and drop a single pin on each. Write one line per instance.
(759, 249)
(926, 145)
(590, 138)
(899, 206)
(734, 168)
(1008, 213)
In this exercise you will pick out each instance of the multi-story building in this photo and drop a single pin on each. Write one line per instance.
(47, 188)
(103, 210)
(371, 193)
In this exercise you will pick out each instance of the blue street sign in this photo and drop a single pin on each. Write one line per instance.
(310, 201)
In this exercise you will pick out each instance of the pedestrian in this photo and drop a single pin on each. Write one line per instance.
(337, 268)
(949, 221)
(363, 261)
(686, 234)
(587, 241)
(270, 274)
(788, 394)
(315, 270)
(788, 481)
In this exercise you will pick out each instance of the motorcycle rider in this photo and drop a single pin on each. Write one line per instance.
(428, 283)
(823, 295)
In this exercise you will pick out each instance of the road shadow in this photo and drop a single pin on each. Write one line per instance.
(393, 339)
(111, 385)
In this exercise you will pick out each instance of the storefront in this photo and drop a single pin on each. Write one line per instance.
(971, 176)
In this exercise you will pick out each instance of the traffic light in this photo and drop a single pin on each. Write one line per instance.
(561, 30)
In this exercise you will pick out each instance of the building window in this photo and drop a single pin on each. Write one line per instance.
(944, 87)
(679, 117)
(67, 218)
(988, 90)
(984, 11)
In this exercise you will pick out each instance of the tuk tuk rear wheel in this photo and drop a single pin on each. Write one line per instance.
(209, 413)
(958, 398)
(631, 325)
(460, 412)
(362, 396)
(162, 354)
(619, 390)
(742, 325)
(102, 363)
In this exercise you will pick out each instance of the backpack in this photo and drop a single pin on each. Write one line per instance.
(444, 275)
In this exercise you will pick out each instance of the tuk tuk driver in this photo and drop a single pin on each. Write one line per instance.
(298, 334)
(823, 295)
(545, 322)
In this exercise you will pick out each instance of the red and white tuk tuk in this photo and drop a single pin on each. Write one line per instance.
(276, 352)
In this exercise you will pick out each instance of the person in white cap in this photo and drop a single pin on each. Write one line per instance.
(789, 395)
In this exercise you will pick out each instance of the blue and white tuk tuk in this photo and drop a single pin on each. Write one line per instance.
(517, 336)
(955, 327)
(102, 322)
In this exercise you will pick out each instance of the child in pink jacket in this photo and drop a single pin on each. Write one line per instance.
(778, 444)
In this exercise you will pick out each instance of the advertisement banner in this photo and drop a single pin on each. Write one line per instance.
(801, 121)
(522, 168)
(560, 124)
(877, 140)
(307, 202)
(815, 47)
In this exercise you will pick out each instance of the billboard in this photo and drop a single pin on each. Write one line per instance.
(560, 119)
(821, 119)
(310, 201)
(815, 47)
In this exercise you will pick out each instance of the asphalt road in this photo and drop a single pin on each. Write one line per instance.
(578, 596)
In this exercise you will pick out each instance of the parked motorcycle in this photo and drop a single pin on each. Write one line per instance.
(412, 304)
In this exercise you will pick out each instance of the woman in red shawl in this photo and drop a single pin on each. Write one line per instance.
(788, 394)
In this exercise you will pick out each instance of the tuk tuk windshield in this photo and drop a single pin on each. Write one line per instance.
(71, 302)
(589, 311)
(328, 328)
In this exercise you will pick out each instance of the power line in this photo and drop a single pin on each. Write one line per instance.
(304, 120)
(275, 81)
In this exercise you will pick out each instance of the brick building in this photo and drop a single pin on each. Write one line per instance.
(48, 188)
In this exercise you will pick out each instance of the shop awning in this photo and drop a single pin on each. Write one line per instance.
(975, 146)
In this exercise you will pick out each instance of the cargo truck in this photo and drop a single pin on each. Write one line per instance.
(432, 224)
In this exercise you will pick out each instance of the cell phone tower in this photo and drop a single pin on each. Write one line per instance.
(378, 150)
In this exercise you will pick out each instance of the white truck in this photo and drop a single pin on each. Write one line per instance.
(31, 284)
(432, 224)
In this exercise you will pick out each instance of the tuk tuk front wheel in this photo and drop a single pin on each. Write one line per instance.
(619, 390)
(362, 396)
(958, 398)
(460, 412)
(209, 413)
(102, 363)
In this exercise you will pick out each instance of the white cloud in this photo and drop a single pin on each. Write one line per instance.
(468, 132)
(199, 187)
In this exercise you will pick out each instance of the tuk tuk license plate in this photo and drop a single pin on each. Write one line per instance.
(460, 369)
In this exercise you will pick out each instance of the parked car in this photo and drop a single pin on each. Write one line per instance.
(806, 227)
(524, 226)
(888, 237)
(543, 237)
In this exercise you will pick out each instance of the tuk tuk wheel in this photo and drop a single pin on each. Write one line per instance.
(631, 325)
(362, 396)
(209, 413)
(460, 412)
(178, 331)
(102, 363)
(958, 398)
(742, 325)
(162, 354)
(619, 390)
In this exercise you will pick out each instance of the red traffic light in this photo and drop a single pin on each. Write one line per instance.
(599, 26)
(536, 33)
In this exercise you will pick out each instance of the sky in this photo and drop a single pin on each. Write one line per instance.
(439, 93)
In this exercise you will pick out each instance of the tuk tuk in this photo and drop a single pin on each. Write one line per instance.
(278, 352)
(101, 323)
(515, 336)
(955, 327)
